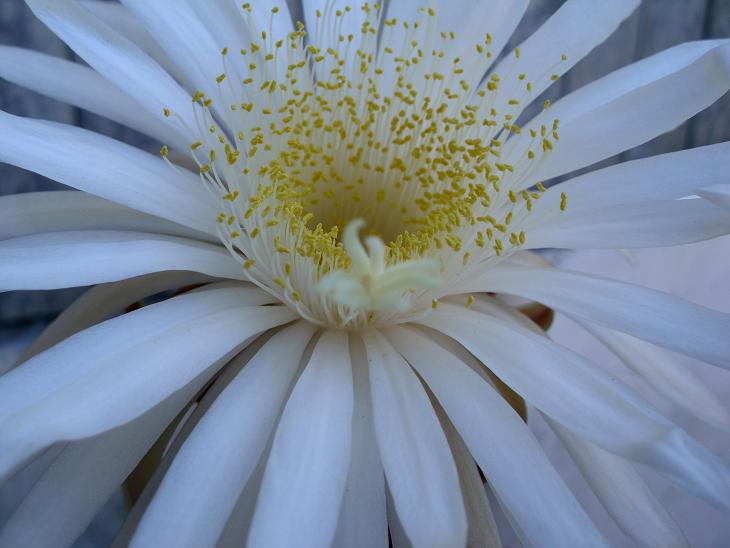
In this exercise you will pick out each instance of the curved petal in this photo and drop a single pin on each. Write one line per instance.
(717, 194)
(306, 471)
(482, 528)
(631, 225)
(680, 173)
(83, 476)
(73, 259)
(191, 508)
(119, 61)
(102, 301)
(123, 366)
(666, 374)
(122, 21)
(231, 366)
(61, 211)
(573, 30)
(418, 464)
(651, 315)
(180, 31)
(107, 168)
(623, 493)
(633, 105)
(82, 87)
(511, 458)
(579, 395)
(363, 522)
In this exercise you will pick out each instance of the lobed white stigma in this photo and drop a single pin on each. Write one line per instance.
(370, 283)
(312, 138)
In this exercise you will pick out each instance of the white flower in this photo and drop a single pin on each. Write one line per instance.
(316, 374)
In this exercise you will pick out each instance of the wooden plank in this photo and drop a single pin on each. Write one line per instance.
(713, 125)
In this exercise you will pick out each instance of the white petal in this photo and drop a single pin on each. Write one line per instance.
(83, 476)
(574, 30)
(122, 21)
(306, 471)
(72, 259)
(680, 173)
(104, 300)
(107, 168)
(124, 367)
(717, 194)
(631, 225)
(579, 395)
(529, 488)
(651, 315)
(82, 87)
(60, 211)
(623, 493)
(191, 508)
(482, 528)
(180, 31)
(418, 465)
(634, 104)
(118, 60)
(229, 367)
(363, 522)
(666, 374)
(398, 537)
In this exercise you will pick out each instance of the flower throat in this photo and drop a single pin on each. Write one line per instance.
(309, 138)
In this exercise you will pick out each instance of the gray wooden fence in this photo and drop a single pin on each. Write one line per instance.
(658, 24)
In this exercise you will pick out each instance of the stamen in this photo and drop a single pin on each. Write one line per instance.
(335, 132)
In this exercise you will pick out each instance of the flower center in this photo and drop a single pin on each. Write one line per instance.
(313, 138)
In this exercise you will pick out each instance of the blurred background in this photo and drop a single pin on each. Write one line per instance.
(657, 25)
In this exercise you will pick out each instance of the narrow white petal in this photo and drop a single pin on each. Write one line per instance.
(107, 168)
(418, 465)
(231, 365)
(582, 397)
(83, 476)
(651, 315)
(623, 493)
(634, 104)
(191, 507)
(180, 31)
(117, 59)
(631, 225)
(680, 173)
(61, 211)
(717, 194)
(516, 467)
(123, 367)
(573, 30)
(482, 528)
(122, 21)
(306, 472)
(664, 372)
(398, 537)
(82, 87)
(363, 522)
(72, 259)
(105, 300)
